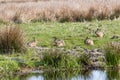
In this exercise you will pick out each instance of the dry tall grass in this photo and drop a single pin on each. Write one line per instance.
(60, 10)
(8, 1)
(11, 39)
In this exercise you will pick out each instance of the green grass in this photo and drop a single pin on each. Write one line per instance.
(112, 55)
(12, 63)
(73, 33)
(8, 66)
(59, 59)
(112, 74)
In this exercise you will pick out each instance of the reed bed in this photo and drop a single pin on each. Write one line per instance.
(60, 10)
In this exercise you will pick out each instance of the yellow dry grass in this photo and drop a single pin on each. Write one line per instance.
(59, 10)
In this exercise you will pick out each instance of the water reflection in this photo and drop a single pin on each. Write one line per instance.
(94, 75)
(70, 75)
(90, 75)
(36, 78)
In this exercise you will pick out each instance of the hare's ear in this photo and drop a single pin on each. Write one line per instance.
(87, 37)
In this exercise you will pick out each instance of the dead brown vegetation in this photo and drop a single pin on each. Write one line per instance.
(60, 10)
(11, 40)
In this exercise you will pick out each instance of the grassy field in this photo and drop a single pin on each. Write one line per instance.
(73, 34)
(71, 21)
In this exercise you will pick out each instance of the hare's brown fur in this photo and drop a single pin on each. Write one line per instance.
(89, 41)
(32, 43)
(58, 42)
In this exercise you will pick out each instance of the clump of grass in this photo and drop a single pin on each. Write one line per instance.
(11, 40)
(8, 66)
(56, 58)
(112, 54)
(113, 74)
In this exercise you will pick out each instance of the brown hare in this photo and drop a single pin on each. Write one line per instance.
(58, 42)
(88, 41)
(99, 33)
(32, 43)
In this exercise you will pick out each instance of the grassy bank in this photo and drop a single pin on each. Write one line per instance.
(73, 34)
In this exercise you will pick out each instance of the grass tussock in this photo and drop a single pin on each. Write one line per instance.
(59, 59)
(11, 40)
(8, 67)
(112, 54)
(60, 10)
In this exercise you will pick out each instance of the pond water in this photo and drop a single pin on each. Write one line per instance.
(69, 75)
